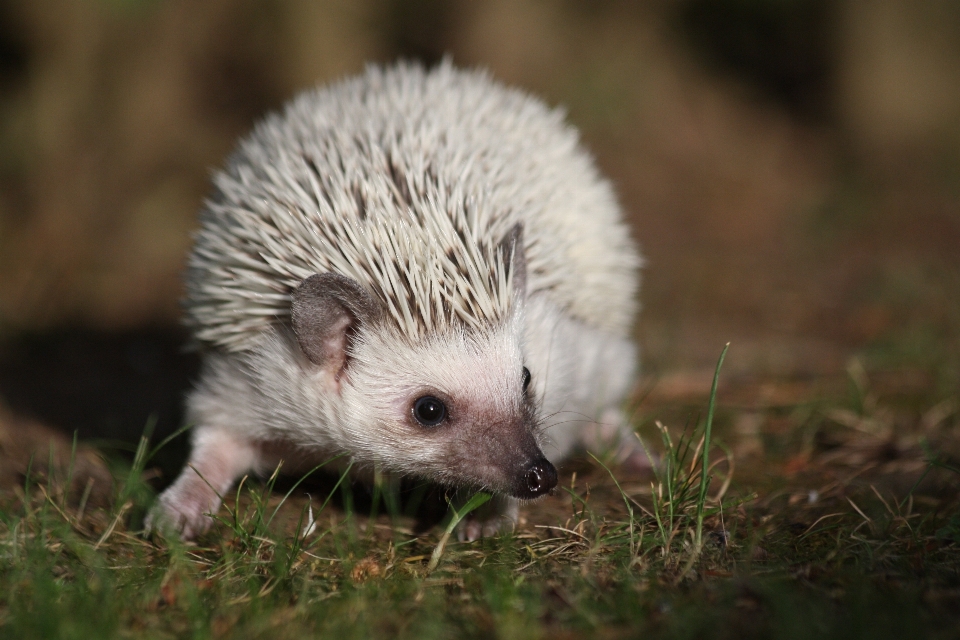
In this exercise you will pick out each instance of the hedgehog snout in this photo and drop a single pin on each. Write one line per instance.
(538, 478)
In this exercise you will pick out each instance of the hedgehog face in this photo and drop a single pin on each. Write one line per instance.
(457, 408)
(452, 404)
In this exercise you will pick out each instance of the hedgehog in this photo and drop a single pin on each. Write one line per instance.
(421, 271)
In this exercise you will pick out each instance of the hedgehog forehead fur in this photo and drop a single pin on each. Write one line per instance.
(410, 182)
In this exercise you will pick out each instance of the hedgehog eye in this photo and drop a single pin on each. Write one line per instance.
(429, 411)
(526, 378)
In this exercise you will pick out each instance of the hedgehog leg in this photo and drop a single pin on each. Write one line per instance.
(607, 366)
(218, 458)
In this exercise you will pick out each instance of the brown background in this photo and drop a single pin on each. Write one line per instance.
(791, 170)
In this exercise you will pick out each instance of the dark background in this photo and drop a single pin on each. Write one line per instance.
(791, 170)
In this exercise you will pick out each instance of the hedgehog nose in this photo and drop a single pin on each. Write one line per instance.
(538, 478)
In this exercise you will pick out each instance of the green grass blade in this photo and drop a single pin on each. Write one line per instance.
(707, 433)
(300, 481)
(473, 503)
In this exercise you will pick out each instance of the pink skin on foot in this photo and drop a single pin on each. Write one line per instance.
(216, 461)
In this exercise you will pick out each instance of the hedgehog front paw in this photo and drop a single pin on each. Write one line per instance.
(182, 512)
(471, 529)
(499, 515)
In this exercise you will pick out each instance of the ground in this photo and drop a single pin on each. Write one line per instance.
(832, 512)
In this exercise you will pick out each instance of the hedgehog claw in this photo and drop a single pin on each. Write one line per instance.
(183, 518)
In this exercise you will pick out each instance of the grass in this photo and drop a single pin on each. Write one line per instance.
(829, 539)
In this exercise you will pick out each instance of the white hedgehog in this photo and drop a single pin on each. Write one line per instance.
(409, 267)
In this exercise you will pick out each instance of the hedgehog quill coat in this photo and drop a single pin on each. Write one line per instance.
(409, 267)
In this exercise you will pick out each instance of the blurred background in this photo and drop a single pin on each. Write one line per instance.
(790, 168)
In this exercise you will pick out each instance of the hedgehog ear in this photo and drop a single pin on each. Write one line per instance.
(513, 246)
(325, 307)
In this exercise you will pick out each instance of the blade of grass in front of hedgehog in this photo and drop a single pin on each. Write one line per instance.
(707, 433)
(135, 495)
(301, 480)
(340, 480)
(473, 503)
(170, 438)
(233, 519)
(302, 532)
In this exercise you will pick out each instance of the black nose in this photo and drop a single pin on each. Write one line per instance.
(538, 478)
